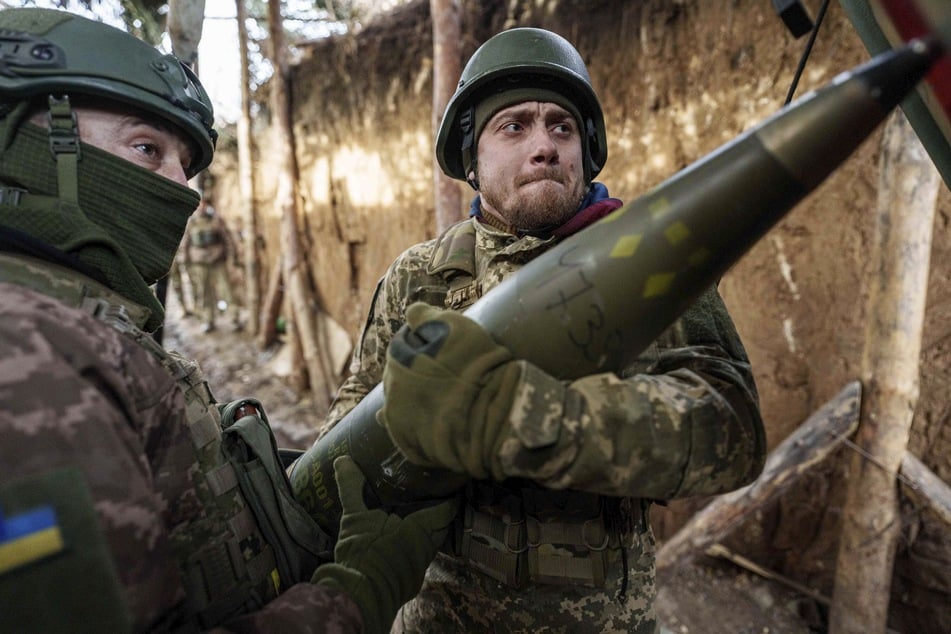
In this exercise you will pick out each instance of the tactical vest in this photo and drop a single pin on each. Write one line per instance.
(522, 533)
(206, 237)
(253, 540)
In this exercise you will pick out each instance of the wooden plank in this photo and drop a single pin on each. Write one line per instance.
(925, 487)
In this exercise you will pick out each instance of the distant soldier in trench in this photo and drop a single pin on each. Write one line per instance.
(209, 252)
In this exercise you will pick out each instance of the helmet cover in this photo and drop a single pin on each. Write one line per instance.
(46, 51)
(521, 58)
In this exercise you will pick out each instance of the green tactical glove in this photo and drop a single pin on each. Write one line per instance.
(380, 559)
(456, 399)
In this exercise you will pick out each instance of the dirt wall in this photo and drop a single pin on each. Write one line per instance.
(677, 79)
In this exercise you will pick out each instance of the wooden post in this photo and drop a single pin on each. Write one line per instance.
(184, 24)
(815, 439)
(252, 267)
(271, 307)
(926, 488)
(446, 69)
(908, 188)
(297, 282)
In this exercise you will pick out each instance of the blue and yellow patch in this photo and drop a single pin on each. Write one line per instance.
(51, 539)
(28, 537)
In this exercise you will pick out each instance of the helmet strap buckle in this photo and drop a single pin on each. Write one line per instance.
(64, 145)
(467, 124)
(11, 195)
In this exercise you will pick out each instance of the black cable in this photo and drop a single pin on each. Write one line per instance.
(805, 53)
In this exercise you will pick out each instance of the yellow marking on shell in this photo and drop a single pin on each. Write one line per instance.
(658, 284)
(626, 246)
(659, 207)
(676, 233)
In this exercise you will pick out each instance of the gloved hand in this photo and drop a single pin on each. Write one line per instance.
(380, 559)
(454, 397)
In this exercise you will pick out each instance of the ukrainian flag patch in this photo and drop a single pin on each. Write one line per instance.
(28, 536)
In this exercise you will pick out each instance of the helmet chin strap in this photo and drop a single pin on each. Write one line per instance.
(466, 123)
(64, 144)
(473, 179)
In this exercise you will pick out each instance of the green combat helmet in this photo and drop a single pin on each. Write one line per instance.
(47, 52)
(518, 59)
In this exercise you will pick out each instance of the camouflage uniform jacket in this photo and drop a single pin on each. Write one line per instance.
(207, 240)
(696, 375)
(94, 429)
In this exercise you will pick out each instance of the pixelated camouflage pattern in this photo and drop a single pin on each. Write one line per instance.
(683, 421)
(629, 435)
(210, 518)
(408, 280)
(76, 392)
(456, 598)
(304, 608)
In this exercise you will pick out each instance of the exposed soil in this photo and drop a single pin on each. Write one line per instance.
(235, 368)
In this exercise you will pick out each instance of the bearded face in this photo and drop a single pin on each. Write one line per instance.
(530, 165)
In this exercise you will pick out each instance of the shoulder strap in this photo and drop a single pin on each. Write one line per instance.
(68, 286)
(454, 260)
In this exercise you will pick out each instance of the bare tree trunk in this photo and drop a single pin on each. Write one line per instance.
(185, 21)
(296, 278)
(331, 11)
(271, 308)
(252, 255)
(298, 376)
(184, 25)
(446, 70)
(908, 188)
